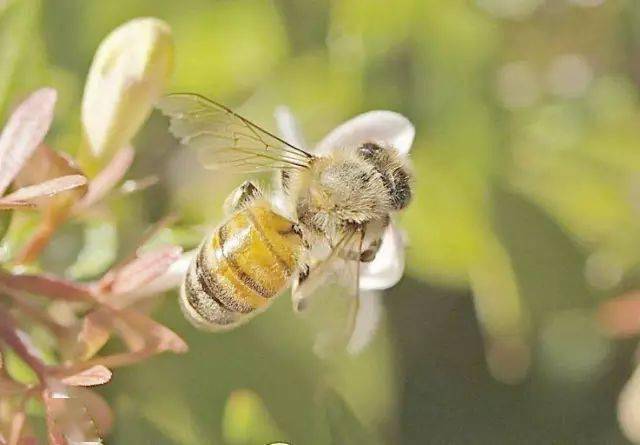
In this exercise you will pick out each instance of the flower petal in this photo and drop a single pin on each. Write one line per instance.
(288, 127)
(386, 127)
(629, 408)
(367, 321)
(388, 266)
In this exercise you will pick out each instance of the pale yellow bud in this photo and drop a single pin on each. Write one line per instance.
(129, 73)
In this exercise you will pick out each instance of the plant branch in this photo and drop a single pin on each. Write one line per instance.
(10, 333)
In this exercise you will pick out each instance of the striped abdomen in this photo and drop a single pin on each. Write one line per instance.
(240, 268)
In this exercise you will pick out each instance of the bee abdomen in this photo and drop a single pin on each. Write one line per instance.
(201, 300)
(235, 274)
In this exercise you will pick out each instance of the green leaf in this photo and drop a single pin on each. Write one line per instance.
(5, 221)
(18, 20)
(246, 420)
(18, 369)
(98, 252)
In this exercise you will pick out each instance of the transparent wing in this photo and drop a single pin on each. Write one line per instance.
(226, 140)
(330, 298)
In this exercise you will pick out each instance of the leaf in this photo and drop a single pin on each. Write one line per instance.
(48, 164)
(48, 286)
(97, 408)
(9, 386)
(18, 370)
(142, 335)
(24, 132)
(75, 415)
(93, 335)
(128, 74)
(99, 249)
(18, 19)
(96, 375)
(246, 420)
(344, 426)
(158, 338)
(33, 194)
(108, 178)
(17, 427)
(5, 222)
(16, 205)
(502, 314)
(144, 269)
(170, 279)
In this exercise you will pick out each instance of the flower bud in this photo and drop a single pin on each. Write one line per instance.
(129, 72)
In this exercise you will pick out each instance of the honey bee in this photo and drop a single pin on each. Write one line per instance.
(245, 262)
(340, 200)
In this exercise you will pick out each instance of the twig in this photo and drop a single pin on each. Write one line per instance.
(9, 332)
(32, 311)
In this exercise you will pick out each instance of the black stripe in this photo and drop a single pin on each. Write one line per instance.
(208, 283)
(237, 270)
(265, 239)
(212, 287)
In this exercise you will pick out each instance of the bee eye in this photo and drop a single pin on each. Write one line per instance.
(369, 150)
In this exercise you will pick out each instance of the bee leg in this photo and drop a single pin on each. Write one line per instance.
(369, 254)
(299, 291)
(366, 256)
(241, 196)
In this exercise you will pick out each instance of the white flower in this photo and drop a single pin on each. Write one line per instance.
(389, 129)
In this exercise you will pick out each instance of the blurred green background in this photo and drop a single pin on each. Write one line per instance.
(524, 220)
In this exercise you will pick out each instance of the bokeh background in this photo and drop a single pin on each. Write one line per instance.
(525, 218)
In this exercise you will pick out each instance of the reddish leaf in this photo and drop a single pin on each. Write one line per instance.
(96, 375)
(47, 163)
(17, 427)
(98, 410)
(44, 165)
(24, 131)
(170, 279)
(16, 205)
(33, 193)
(74, 415)
(159, 338)
(142, 335)
(144, 269)
(620, 317)
(107, 179)
(8, 386)
(48, 286)
(21, 344)
(53, 406)
(93, 335)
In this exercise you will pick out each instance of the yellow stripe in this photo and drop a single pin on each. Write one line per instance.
(226, 275)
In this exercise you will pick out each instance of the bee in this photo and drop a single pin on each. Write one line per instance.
(242, 265)
(341, 201)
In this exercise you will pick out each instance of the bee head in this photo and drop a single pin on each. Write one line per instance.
(392, 170)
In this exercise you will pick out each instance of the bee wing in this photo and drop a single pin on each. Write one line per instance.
(226, 140)
(343, 317)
